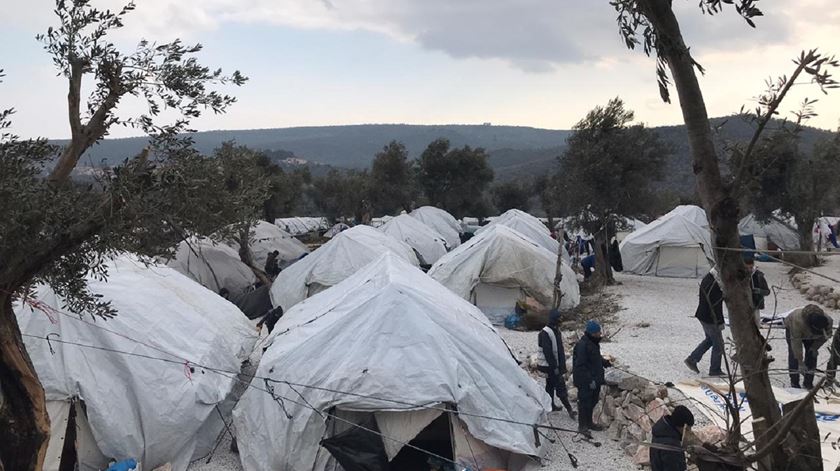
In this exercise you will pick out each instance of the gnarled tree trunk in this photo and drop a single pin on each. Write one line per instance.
(24, 423)
(723, 212)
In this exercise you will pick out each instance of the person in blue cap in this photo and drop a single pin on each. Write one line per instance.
(588, 375)
(552, 362)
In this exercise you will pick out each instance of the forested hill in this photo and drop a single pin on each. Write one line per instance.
(515, 152)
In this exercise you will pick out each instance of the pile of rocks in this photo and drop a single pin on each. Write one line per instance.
(821, 294)
(628, 408)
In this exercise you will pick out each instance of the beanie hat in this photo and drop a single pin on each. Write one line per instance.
(553, 317)
(681, 416)
(592, 327)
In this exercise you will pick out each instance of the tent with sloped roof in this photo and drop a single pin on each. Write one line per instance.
(442, 222)
(528, 226)
(334, 261)
(499, 266)
(428, 244)
(214, 265)
(390, 356)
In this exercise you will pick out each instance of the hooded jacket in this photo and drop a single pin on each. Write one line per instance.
(588, 365)
(666, 460)
(796, 324)
(547, 359)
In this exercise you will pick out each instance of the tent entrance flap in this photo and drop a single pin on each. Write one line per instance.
(681, 262)
(435, 439)
(495, 301)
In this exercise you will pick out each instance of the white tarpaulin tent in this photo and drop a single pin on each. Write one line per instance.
(500, 265)
(153, 411)
(301, 226)
(334, 261)
(266, 238)
(213, 265)
(677, 244)
(335, 230)
(713, 406)
(442, 222)
(772, 230)
(430, 245)
(404, 347)
(529, 226)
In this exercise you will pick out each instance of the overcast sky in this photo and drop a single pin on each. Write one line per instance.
(541, 63)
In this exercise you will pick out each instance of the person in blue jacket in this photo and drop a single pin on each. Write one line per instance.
(588, 375)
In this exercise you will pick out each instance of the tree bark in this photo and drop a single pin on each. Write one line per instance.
(806, 243)
(602, 275)
(723, 213)
(804, 437)
(24, 422)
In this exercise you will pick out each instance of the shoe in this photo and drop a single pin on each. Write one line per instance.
(572, 414)
(796, 386)
(808, 386)
(585, 432)
(717, 374)
(691, 365)
(555, 408)
(596, 428)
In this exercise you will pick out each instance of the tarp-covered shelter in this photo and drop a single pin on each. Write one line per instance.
(213, 265)
(677, 244)
(116, 405)
(391, 350)
(770, 232)
(499, 266)
(266, 238)
(302, 225)
(528, 226)
(334, 261)
(428, 244)
(442, 222)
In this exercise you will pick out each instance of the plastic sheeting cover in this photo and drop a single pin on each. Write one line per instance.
(266, 238)
(401, 337)
(773, 230)
(680, 229)
(422, 238)
(140, 408)
(334, 261)
(530, 227)
(442, 222)
(213, 265)
(302, 225)
(505, 257)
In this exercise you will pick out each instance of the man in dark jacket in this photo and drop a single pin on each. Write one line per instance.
(710, 314)
(668, 432)
(760, 289)
(552, 362)
(272, 268)
(588, 375)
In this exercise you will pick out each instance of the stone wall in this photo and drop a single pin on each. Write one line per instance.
(823, 294)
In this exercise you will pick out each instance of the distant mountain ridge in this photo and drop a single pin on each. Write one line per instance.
(515, 151)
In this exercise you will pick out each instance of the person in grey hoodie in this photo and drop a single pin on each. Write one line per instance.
(806, 330)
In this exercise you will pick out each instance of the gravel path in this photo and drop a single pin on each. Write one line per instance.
(655, 352)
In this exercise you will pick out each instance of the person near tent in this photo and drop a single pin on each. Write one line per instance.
(806, 330)
(832, 235)
(552, 362)
(270, 319)
(588, 264)
(710, 314)
(588, 375)
(760, 289)
(668, 432)
(272, 267)
(615, 256)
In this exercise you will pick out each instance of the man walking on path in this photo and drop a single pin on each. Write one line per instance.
(588, 375)
(710, 314)
(668, 432)
(552, 362)
(805, 329)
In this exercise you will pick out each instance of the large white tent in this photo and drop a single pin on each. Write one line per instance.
(409, 351)
(428, 244)
(528, 226)
(442, 222)
(128, 405)
(334, 261)
(499, 266)
(771, 231)
(677, 244)
(266, 238)
(213, 265)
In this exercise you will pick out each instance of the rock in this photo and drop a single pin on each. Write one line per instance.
(634, 412)
(609, 406)
(614, 432)
(631, 449)
(662, 392)
(649, 393)
(642, 456)
(630, 383)
(823, 290)
(634, 399)
(655, 409)
(830, 303)
(573, 394)
(613, 376)
(635, 432)
(812, 291)
(709, 434)
(646, 425)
